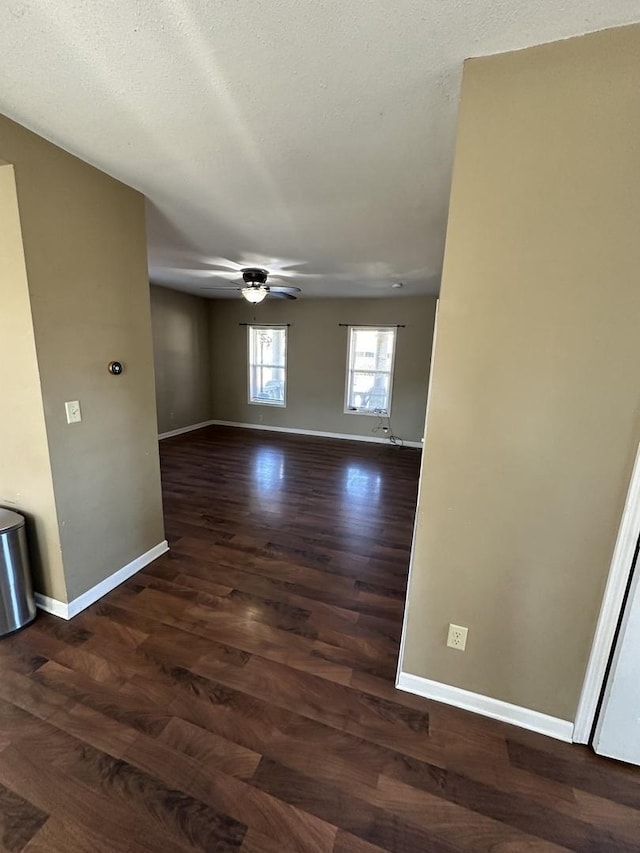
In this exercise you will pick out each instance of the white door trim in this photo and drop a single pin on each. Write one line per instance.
(611, 608)
(616, 733)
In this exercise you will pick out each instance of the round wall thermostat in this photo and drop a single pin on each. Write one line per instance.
(115, 367)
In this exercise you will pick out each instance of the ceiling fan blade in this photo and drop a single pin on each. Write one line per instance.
(199, 273)
(278, 294)
(227, 289)
(287, 275)
(284, 288)
(223, 264)
(268, 262)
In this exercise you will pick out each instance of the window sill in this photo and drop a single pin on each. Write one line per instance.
(367, 414)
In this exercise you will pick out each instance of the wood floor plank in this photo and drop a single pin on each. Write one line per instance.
(64, 797)
(65, 834)
(597, 775)
(456, 826)
(183, 817)
(348, 843)
(20, 820)
(121, 704)
(350, 813)
(238, 693)
(256, 842)
(208, 748)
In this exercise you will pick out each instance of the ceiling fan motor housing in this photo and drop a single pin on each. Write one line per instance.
(254, 275)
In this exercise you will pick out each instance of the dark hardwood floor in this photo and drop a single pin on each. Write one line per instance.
(238, 693)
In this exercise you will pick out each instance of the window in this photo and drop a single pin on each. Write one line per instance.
(268, 365)
(370, 370)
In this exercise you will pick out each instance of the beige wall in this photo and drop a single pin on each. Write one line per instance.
(182, 356)
(535, 412)
(85, 250)
(317, 353)
(25, 472)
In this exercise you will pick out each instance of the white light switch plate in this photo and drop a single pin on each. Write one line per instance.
(74, 415)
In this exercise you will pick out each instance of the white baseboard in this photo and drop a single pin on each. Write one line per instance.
(485, 705)
(318, 433)
(52, 605)
(182, 430)
(72, 608)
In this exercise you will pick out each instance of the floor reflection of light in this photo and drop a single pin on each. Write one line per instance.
(268, 476)
(361, 486)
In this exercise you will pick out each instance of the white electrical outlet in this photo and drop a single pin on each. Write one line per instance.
(457, 637)
(74, 415)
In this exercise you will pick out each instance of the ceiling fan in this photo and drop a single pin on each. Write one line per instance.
(254, 278)
(253, 273)
(256, 289)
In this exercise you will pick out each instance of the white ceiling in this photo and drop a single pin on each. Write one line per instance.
(318, 131)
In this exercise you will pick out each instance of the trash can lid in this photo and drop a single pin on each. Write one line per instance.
(9, 520)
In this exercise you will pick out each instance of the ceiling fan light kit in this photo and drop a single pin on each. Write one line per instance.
(254, 293)
(255, 280)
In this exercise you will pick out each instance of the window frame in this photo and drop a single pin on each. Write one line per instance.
(351, 330)
(278, 326)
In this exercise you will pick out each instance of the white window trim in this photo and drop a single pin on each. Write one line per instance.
(273, 403)
(387, 412)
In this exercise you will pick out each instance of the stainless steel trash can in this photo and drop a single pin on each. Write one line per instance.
(17, 607)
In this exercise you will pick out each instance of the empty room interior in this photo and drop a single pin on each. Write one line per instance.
(319, 434)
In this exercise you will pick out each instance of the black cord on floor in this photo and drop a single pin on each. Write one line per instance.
(384, 425)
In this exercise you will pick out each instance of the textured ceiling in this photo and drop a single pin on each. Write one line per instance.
(312, 134)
